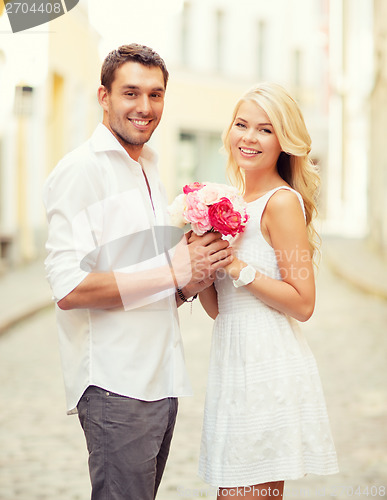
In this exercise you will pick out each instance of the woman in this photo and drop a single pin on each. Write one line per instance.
(265, 418)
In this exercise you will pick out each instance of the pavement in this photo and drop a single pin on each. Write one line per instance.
(24, 291)
(358, 263)
(42, 451)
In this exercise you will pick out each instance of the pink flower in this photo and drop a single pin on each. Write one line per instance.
(196, 213)
(195, 186)
(209, 206)
(225, 219)
(211, 193)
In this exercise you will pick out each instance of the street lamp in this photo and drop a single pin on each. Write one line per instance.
(23, 100)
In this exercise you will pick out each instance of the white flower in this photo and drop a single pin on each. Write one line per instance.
(239, 203)
(176, 211)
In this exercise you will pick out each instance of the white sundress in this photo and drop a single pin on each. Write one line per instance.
(265, 416)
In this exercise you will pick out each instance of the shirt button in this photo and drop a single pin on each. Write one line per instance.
(107, 393)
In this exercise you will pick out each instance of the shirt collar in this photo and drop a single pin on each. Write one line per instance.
(103, 140)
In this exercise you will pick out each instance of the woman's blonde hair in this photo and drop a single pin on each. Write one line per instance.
(294, 164)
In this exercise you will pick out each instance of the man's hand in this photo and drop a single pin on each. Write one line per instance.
(196, 260)
(196, 287)
(208, 253)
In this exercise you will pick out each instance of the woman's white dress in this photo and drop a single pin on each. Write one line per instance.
(265, 417)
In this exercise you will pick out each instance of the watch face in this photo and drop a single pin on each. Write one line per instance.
(247, 274)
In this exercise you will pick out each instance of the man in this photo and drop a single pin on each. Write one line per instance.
(115, 282)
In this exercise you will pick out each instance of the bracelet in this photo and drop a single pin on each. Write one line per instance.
(184, 298)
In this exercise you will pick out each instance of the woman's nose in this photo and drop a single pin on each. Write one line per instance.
(250, 136)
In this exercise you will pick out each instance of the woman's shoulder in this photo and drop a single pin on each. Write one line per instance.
(285, 201)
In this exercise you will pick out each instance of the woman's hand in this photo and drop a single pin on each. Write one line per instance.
(234, 268)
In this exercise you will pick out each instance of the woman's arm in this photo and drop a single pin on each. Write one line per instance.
(283, 223)
(209, 300)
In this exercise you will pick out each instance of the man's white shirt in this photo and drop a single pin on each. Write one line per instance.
(100, 216)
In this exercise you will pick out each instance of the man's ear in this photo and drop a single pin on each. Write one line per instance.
(103, 94)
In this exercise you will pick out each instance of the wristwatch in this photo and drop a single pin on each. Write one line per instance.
(246, 276)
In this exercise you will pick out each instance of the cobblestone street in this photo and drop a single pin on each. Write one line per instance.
(43, 453)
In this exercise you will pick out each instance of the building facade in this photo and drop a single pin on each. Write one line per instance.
(48, 106)
(350, 80)
(330, 55)
(216, 50)
(377, 192)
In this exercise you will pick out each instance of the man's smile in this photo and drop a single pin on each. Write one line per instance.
(139, 124)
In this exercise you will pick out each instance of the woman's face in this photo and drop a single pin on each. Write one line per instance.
(253, 142)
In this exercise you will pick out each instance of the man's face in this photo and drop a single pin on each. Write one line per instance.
(133, 108)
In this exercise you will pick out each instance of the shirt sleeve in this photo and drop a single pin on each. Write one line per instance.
(68, 192)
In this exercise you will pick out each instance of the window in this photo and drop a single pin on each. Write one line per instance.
(199, 158)
(261, 48)
(296, 69)
(184, 35)
(219, 40)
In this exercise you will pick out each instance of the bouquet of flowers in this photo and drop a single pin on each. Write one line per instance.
(209, 207)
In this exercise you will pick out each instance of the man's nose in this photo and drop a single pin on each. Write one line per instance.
(143, 105)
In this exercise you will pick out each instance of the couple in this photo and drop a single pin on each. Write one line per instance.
(121, 349)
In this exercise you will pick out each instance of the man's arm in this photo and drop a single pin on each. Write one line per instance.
(192, 271)
(110, 290)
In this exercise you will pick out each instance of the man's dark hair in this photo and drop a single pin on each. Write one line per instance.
(130, 53)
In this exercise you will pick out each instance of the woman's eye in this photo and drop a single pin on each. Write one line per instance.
(266, 130)
(240, 125)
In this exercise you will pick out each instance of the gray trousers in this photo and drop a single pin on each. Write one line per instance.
(128, 442)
